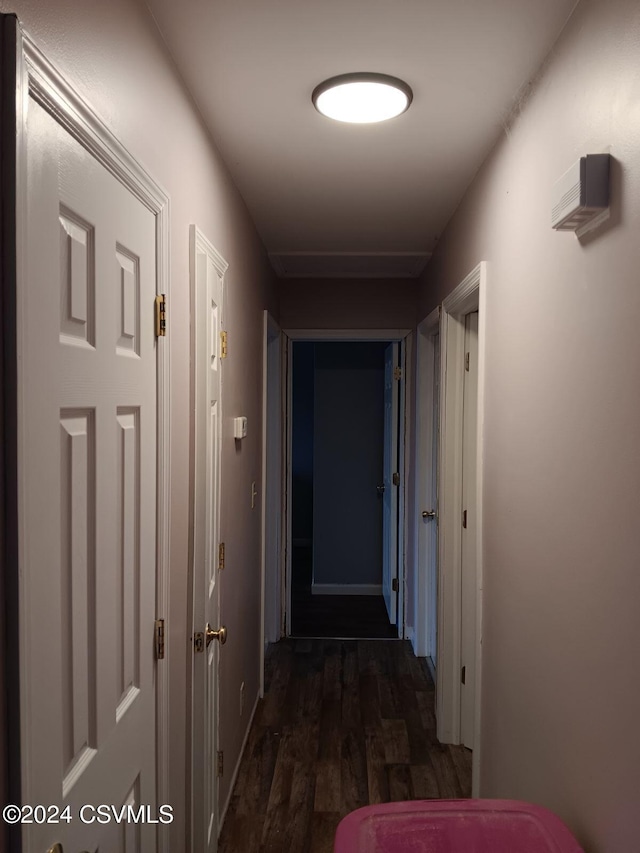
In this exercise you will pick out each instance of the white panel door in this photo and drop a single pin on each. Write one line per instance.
(390, 493)
(87, 480)
(207, 282)
(469, 530)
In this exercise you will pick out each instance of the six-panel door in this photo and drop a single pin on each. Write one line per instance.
(87, 467)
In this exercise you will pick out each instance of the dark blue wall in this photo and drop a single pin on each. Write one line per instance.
(348, 463)
(307, 358)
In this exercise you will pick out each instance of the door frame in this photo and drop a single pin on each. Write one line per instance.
(426, 460)
(272, 419)
(405, 337)
(468, 296)
(39, 79)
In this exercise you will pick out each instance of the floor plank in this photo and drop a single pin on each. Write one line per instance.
(344, 723)
(322, 832)
(396, 742)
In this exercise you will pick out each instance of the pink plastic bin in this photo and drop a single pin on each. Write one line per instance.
(454, 826)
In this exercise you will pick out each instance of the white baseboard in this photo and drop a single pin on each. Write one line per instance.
(410, 635)
(346, 589)
(223, 813)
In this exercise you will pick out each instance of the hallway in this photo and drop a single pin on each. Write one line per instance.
(138, 527)
(343, 724)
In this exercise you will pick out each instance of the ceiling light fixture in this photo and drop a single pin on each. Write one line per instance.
(362, 98)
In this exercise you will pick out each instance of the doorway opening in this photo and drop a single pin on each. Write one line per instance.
(346, 451)
(449, 438)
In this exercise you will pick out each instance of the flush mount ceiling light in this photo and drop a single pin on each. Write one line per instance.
(362, 98)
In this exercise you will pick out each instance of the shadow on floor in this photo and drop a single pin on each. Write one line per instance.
(333, 615)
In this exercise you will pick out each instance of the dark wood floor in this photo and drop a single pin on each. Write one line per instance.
(343, 724)
(333, 615)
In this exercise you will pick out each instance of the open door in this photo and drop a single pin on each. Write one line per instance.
(391, 481)
(427, 437)
(9, 574)
(431, 520)
(207, 273)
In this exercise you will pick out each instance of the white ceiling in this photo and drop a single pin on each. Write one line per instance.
(318, 188)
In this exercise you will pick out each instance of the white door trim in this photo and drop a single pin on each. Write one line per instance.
(56, 95)
(404, 336)
(468, 296)
(428, 329)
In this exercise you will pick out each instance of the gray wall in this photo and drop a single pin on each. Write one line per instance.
(561, 697)
(312, 303)
(114, 56)
(347, 463)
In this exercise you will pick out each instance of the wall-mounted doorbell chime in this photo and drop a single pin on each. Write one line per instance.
(581, 196)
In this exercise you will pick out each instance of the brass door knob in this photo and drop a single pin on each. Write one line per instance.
(428, 513)
(220, 634)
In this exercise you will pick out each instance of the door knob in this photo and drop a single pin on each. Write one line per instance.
(57, 848)
(220, 635)
(428, 513)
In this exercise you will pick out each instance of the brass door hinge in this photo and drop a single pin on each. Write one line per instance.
(220, 762)
(396, 479)
(397, 373)
(158, 635)
(223, 344)
(161, 315)
(221, 556)
(394, 585)
(466, 362)
(463, 675)
(464, 519)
